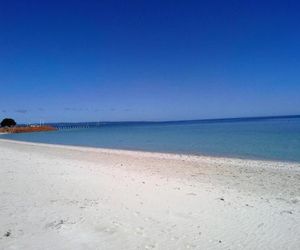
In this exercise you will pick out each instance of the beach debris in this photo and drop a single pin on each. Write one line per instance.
(7, 234)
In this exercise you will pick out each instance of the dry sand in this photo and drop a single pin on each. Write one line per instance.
(57, 197)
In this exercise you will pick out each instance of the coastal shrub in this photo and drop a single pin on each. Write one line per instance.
(8, 122)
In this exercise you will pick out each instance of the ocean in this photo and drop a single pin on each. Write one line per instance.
(254, 138)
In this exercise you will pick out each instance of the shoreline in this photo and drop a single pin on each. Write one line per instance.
(270, 162)
(68, 197)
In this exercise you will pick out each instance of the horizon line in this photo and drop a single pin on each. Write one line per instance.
(185, 120)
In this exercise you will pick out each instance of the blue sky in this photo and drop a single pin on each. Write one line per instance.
(148, 60)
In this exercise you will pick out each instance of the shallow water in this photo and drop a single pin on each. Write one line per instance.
(273, 139)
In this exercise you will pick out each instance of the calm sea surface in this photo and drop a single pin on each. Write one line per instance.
(273, 139)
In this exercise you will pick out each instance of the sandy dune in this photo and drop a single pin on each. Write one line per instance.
(55, 197)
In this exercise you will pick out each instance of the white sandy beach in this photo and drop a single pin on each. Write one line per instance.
(57, 197)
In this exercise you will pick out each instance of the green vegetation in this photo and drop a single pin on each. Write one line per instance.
(8, 122)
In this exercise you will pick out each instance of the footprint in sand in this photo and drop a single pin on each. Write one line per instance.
(149, 246)
(191, 194)
(139, 230)
(106, 230)
(286, 212)
(55, 224)
(294, 201)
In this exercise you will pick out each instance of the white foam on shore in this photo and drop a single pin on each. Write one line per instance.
(65, 197)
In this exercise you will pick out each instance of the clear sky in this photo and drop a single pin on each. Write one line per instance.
(148, 60)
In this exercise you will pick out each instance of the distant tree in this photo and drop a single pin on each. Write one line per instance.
(8, 122)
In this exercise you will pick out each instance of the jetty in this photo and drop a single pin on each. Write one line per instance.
(27, 129)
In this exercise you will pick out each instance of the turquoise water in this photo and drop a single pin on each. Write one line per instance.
(273, 139)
